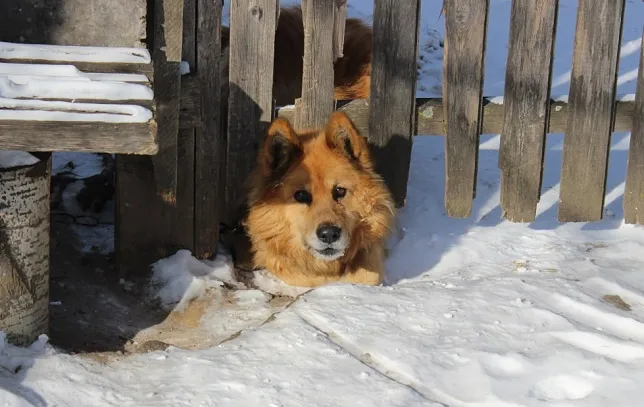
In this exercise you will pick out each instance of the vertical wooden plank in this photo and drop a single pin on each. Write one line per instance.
(250, 105)
(209, 140)
(184, 225)
(463, 69)
(317, 75)
(590, 119)
(144, 218)
(393, 90)
(634, 191)
(166, 55)
(527, 102)
(339, 26)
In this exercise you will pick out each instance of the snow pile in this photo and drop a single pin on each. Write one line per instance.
(13, 359)
(181, 278)
(14, 158)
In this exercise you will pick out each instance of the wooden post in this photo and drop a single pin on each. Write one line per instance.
(316, 104)
(393, 90)
(250, 103)
(526, 102)
(210, 137)
(148, 224)
(592, 102)
(167, 40)
(634, 191)
(24, 250)
(463, 68)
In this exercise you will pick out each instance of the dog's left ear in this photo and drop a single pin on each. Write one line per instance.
(342, 135)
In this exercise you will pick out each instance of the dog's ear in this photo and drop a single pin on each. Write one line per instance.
(281, 148)
(343, 136)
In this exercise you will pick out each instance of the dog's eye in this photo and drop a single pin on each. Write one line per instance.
(339, 193)
(303, 196)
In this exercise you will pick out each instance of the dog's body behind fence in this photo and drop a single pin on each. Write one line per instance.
(352, 71)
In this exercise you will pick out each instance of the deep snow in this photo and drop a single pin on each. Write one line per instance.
(475, 312)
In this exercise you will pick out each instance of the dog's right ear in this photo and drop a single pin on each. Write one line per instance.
(281, 148)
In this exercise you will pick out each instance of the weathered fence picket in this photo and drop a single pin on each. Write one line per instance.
(634, 190)
(250, 103)
(592, 99)
(526, 106)
(393, 90)
(463, 68)
(210, 140)
(316, 103)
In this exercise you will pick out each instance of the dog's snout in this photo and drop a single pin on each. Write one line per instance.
(329, 233)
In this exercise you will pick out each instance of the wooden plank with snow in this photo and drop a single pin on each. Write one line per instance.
(463, 67)
(526, 100)
(592, 100)
(316, 105)
(86, 58)
(58, 107)
(634, 189)
(393, 91)
(250, 103)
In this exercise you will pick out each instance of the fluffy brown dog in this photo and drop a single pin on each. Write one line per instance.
(352, 72)
(318, 212)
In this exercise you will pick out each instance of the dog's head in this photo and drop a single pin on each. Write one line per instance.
(317, 191)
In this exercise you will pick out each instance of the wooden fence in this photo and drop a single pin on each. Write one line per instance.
(181, 196)
(393, 115)
(527, 113)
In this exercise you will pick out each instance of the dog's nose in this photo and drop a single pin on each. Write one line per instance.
(328, 233)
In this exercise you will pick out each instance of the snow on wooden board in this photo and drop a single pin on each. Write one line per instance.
(40, 110)
(68, 72)
(26, 87)
(12, 51)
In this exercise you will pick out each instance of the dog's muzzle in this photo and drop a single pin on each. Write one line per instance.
(328, 243)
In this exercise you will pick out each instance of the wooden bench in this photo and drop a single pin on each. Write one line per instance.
(72, 98)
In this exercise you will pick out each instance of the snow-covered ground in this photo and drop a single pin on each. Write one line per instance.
(476, 312)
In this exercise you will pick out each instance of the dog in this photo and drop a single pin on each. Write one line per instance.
(318, 212)
(352, 77)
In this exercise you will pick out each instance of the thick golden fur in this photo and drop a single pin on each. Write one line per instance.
(352, 71)
(318, 161)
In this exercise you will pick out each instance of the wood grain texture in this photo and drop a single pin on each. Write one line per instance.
(463, 68)
(115, 138)
(430, 115)
(339, 25)
(167, 40)
(74, 22)
(592, 95)
(24, 251)
(250, 105)
(184, 214)
(316, 103)
(526, 105)
(393, 91)
(210, 138)
(634, 190)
